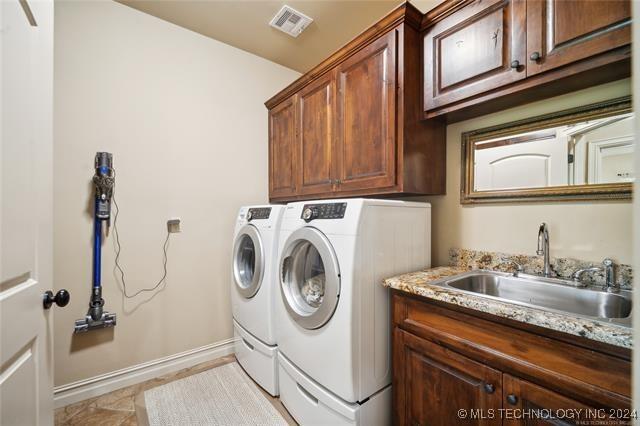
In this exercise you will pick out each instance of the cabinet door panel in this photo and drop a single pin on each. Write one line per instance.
(367, 116)
(437, 383)
(565, 31)
(282, 149)
(470, 61)
(472, 51)
(316, 112)
(538, 406)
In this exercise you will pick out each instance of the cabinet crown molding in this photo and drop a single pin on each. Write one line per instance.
(441, 11)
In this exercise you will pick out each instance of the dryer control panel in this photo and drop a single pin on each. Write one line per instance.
(258, 213)
(323, 211)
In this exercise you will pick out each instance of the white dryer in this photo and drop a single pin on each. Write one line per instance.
(254, 283)
(333, 319)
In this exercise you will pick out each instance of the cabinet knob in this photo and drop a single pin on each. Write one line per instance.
(515, 64)
(535, 56)
(489, 388)
(512, 399)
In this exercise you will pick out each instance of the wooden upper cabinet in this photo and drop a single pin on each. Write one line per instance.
(482, 56)
(367, 116)
(316, 144)
(282, 149)
(358, 120)
(560, 32)
(477, 49)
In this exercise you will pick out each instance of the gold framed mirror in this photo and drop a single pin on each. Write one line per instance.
(584, 153)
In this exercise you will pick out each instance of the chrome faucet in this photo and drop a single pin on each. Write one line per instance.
(543, 249)
(609, 273)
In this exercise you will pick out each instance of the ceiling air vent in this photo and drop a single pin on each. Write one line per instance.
(290, 21)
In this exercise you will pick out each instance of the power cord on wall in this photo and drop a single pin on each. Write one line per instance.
(165, 248)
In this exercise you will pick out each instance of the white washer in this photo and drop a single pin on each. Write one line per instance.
(332, 316)
(254, 283)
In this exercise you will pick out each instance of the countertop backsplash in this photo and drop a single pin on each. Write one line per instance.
(563, 267)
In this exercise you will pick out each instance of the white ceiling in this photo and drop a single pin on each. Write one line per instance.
(245, 24)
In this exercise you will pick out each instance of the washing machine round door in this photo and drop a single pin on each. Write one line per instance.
(309, 278)
(248, 261)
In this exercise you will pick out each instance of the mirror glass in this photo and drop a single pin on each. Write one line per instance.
(588, 152)
(583, 153)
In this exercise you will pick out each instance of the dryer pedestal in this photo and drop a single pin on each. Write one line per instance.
(260, 361)
(311, 404)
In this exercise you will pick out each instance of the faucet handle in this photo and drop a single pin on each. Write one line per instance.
(607, 262)
(578, 274)
(519, 267)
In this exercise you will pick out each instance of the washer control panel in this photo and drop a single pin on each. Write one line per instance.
(258, 213)
(323, 211)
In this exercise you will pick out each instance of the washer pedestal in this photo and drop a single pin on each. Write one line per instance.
(311, 404)
(260, 361)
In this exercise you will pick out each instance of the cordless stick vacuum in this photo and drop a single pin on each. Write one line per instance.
(103, 181)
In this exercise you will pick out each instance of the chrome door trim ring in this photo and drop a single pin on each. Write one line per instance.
(332, 277)
(252, 289)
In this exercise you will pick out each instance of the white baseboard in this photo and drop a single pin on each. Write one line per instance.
(104, 383)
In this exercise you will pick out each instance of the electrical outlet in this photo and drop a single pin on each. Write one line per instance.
(173, 225)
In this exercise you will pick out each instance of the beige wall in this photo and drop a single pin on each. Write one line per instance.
(584, 230)
(184, 117)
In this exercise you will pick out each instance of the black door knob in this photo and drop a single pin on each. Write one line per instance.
(515, 65)
(512, 399)
(535, 56)
(61, 298)
(489, 388)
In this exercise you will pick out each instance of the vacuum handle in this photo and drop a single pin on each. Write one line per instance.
(61, 298)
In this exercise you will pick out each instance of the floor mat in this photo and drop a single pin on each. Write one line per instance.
(221, 396)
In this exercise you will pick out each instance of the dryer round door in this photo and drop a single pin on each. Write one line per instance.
(248, 261)
(309, 278)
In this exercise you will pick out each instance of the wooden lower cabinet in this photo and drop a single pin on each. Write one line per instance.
(451, 367)
(529, 404)
(437, 383)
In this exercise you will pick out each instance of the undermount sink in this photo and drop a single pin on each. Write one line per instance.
(546, 294)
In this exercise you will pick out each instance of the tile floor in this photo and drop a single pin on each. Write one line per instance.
(125, 407)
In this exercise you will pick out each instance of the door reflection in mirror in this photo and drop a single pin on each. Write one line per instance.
(594, 151)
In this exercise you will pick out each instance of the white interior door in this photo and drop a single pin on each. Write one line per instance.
(26, 368)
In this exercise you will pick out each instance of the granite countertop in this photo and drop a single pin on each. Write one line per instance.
(421, 283)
